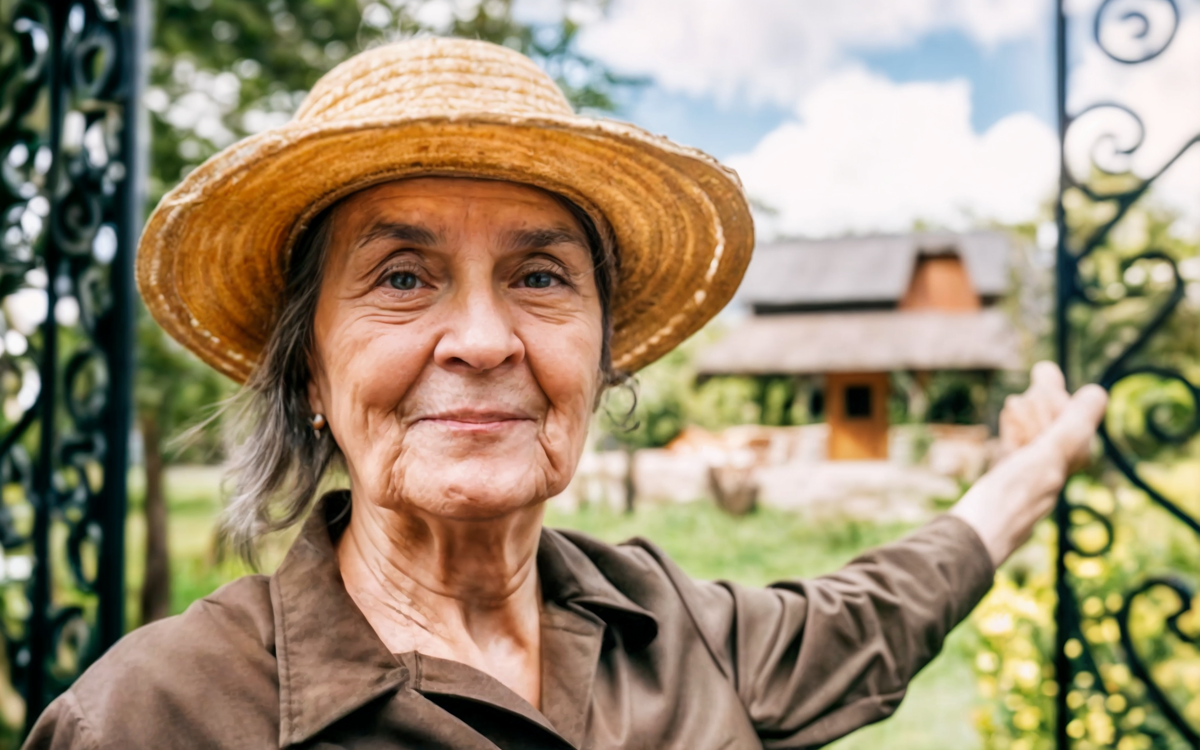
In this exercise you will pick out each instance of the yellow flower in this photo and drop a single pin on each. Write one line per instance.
(1076, 729)
(1089, 568)
(1027, 719)
(1000, 623)
(986, 661)
(1028, 674)
(1100, 728)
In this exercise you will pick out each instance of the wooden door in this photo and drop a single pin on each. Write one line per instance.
(856, 409)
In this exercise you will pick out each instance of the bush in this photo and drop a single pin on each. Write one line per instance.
(1015, 625)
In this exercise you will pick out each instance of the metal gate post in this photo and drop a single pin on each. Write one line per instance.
(71, 200)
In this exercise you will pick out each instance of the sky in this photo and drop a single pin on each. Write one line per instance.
(861, 116)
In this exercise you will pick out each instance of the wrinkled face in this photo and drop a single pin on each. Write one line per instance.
(458, 341)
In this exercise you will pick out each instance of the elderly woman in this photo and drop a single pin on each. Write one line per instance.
(429, 278)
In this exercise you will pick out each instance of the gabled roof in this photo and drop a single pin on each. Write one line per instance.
(868, 271)
(877, 341)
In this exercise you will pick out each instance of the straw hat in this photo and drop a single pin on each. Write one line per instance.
(211, 264)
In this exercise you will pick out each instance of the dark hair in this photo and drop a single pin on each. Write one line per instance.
(276, 462)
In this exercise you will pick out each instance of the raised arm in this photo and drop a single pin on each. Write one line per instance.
(813, 660)
(1047, 435)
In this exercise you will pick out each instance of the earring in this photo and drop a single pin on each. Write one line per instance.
(318, 424)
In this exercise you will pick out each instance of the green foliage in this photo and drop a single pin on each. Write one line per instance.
(1015, 625)
(665, 397)
(1128, 292)
(176, 390)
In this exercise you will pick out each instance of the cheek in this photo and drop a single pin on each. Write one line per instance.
(370, 366)
(566, 364)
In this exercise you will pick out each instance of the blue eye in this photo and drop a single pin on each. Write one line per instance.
(403, 280)
(539, 280)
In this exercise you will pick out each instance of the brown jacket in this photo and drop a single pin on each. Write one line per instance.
(635, 655)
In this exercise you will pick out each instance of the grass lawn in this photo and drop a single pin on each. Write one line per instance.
(754, 550)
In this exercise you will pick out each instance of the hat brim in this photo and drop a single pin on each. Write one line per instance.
(212, 260)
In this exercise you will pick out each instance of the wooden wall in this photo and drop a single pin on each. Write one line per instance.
(940, 282)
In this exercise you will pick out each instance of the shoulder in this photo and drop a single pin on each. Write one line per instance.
(178, 674)
(234, 624)
(642, 571)
(629, 564)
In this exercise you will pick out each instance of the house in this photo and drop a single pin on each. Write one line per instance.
(851, 314)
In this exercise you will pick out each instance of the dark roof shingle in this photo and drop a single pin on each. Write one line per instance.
(866, 270)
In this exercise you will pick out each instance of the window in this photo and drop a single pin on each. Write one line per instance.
(858, 402)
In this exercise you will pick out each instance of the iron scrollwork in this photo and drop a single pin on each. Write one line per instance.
(1116, 653)
(69, 209)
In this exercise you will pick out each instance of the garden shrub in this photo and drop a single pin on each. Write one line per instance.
(1109, 705)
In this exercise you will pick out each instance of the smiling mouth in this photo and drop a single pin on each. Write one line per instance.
(476, 421)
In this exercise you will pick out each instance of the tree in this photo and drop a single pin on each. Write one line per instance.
(224, 69)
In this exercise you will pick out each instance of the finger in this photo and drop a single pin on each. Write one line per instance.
(1048, 391)
(1071, 434)
(1014, 430)
(1046, 376)
(1044, 404)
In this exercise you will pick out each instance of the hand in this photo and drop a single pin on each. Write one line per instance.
(1027, 415)
(1047, 435)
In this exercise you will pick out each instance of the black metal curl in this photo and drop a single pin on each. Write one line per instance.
(98, 45)
(1097, 517)
(86, 402)
(1109, 138)
(1186, 594)
(61, 185)
(1129, 469)
(1104, 18)
(22, 77)
(1129, 32)
(63, 620)
(1122, 199)
(1118, 367)
(15, 468)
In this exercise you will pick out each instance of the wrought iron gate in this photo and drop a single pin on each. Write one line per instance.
(70, 207)
(1122, 623)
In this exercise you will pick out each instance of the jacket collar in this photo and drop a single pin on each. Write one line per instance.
(571, 578)
(330, 660)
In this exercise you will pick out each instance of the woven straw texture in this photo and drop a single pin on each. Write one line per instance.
(212, 260)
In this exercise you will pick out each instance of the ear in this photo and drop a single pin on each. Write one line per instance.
(316, 387)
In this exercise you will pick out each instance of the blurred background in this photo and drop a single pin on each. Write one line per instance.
(920, 244)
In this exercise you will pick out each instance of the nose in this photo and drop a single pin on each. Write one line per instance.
(479, 334)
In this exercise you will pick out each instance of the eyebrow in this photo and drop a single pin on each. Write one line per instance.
(400, 232)
(526, 239)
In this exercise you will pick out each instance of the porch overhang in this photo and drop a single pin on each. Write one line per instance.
(878, 341)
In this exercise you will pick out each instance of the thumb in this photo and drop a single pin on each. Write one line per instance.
(1070, 435)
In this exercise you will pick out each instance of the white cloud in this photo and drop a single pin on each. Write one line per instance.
(774, 50)
(1164, 95)
(866, 154)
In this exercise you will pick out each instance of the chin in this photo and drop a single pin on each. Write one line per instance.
(480, 487)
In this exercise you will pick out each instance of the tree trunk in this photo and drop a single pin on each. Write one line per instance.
(156, 589)
(630, 487)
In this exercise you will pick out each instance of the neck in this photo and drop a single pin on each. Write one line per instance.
(461, 590)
